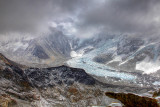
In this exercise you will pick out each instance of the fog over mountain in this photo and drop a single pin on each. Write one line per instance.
(81, 18)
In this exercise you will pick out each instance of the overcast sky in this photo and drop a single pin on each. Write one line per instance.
(82, 18)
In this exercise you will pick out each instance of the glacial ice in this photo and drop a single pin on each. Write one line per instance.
(94, 68)
(156, 83)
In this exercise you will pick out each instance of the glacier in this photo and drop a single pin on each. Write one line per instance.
(86, 62)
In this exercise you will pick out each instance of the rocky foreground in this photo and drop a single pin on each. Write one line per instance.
(62, 86)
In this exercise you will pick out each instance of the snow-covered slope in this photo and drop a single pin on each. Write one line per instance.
(121, 58)
(115, 52)
(119, 63)
(128, 54)
(51, 49)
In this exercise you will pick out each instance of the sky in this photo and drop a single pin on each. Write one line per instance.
(80, 18)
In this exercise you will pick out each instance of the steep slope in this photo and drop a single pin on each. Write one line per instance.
(131, 54)
(27, 86)
(136, 55)
(22, 86)
(122, 59)
(54, 47)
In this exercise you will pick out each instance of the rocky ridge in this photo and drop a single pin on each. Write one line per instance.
(22, 86)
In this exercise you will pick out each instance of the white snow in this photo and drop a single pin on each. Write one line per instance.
(148, 66)
(20, 45)
(135, 53)
(115, 105)
(80, 52)
(116, 59)
(75, 54)
(156, 83)
(112, 49)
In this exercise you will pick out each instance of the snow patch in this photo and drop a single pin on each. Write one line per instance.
(117, 58)
(156, 83)
(148, 66)
(80, 52)
(74, 54)
(112, 49)
(20, 45)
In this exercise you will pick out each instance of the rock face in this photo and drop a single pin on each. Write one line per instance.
(43, 76)
(53, 47)
(39, 52)
(131, 100)
(58, 75)
(23, 86)
(156, 93)
(62, 86)
(12, 72)
(103, 58)
(6, 101)
(128, 45)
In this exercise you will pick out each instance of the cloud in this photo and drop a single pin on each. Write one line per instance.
(82, 18)
(32, 16)
(124, 16)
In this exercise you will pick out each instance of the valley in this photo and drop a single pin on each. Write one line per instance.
(93, 67)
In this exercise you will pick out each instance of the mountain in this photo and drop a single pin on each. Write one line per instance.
(117, 57)
(52, 49)
(117, 52)
(121, 60)
(77, 71)
(132, 55)
(22, 86)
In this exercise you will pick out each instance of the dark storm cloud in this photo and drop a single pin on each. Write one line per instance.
(130, 16)
(34, 15)
(124, 16)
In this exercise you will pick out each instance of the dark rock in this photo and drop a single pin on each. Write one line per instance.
(39, 52)
(156, 93)
(41, 77)
(131, 100)
(44, 77)
(104, 58)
